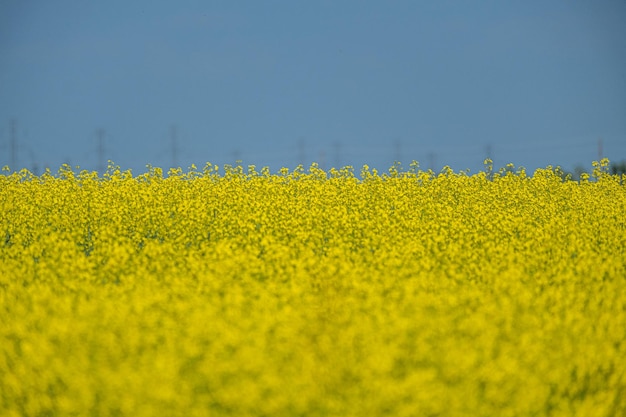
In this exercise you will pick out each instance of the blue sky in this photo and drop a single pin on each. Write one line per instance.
(279, 83)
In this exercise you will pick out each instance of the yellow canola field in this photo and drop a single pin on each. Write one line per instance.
(312, 293)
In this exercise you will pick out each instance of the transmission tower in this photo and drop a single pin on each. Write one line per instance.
(397, 147)
(13, 144)
(432, 157)
(337, 152)
(100, 149)
(302, 151)
(174, 139)
(600, 150)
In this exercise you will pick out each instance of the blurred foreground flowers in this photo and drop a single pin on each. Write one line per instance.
(312, 293)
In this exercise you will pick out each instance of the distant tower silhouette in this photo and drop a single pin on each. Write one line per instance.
(33, 160)
(600, 150)
(322, 161)
(237, 157)
(397, 147)
(13, 144)
(174, 138)
(337, 149)
(100, 150)
(302, 151)
(431, 160)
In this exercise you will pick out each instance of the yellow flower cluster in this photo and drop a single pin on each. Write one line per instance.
(312, 293)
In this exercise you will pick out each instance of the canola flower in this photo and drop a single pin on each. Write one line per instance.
(313, 293)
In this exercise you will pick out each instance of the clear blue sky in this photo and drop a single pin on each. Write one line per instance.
(280, 83)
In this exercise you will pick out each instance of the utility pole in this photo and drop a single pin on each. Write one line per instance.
(100, 149)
